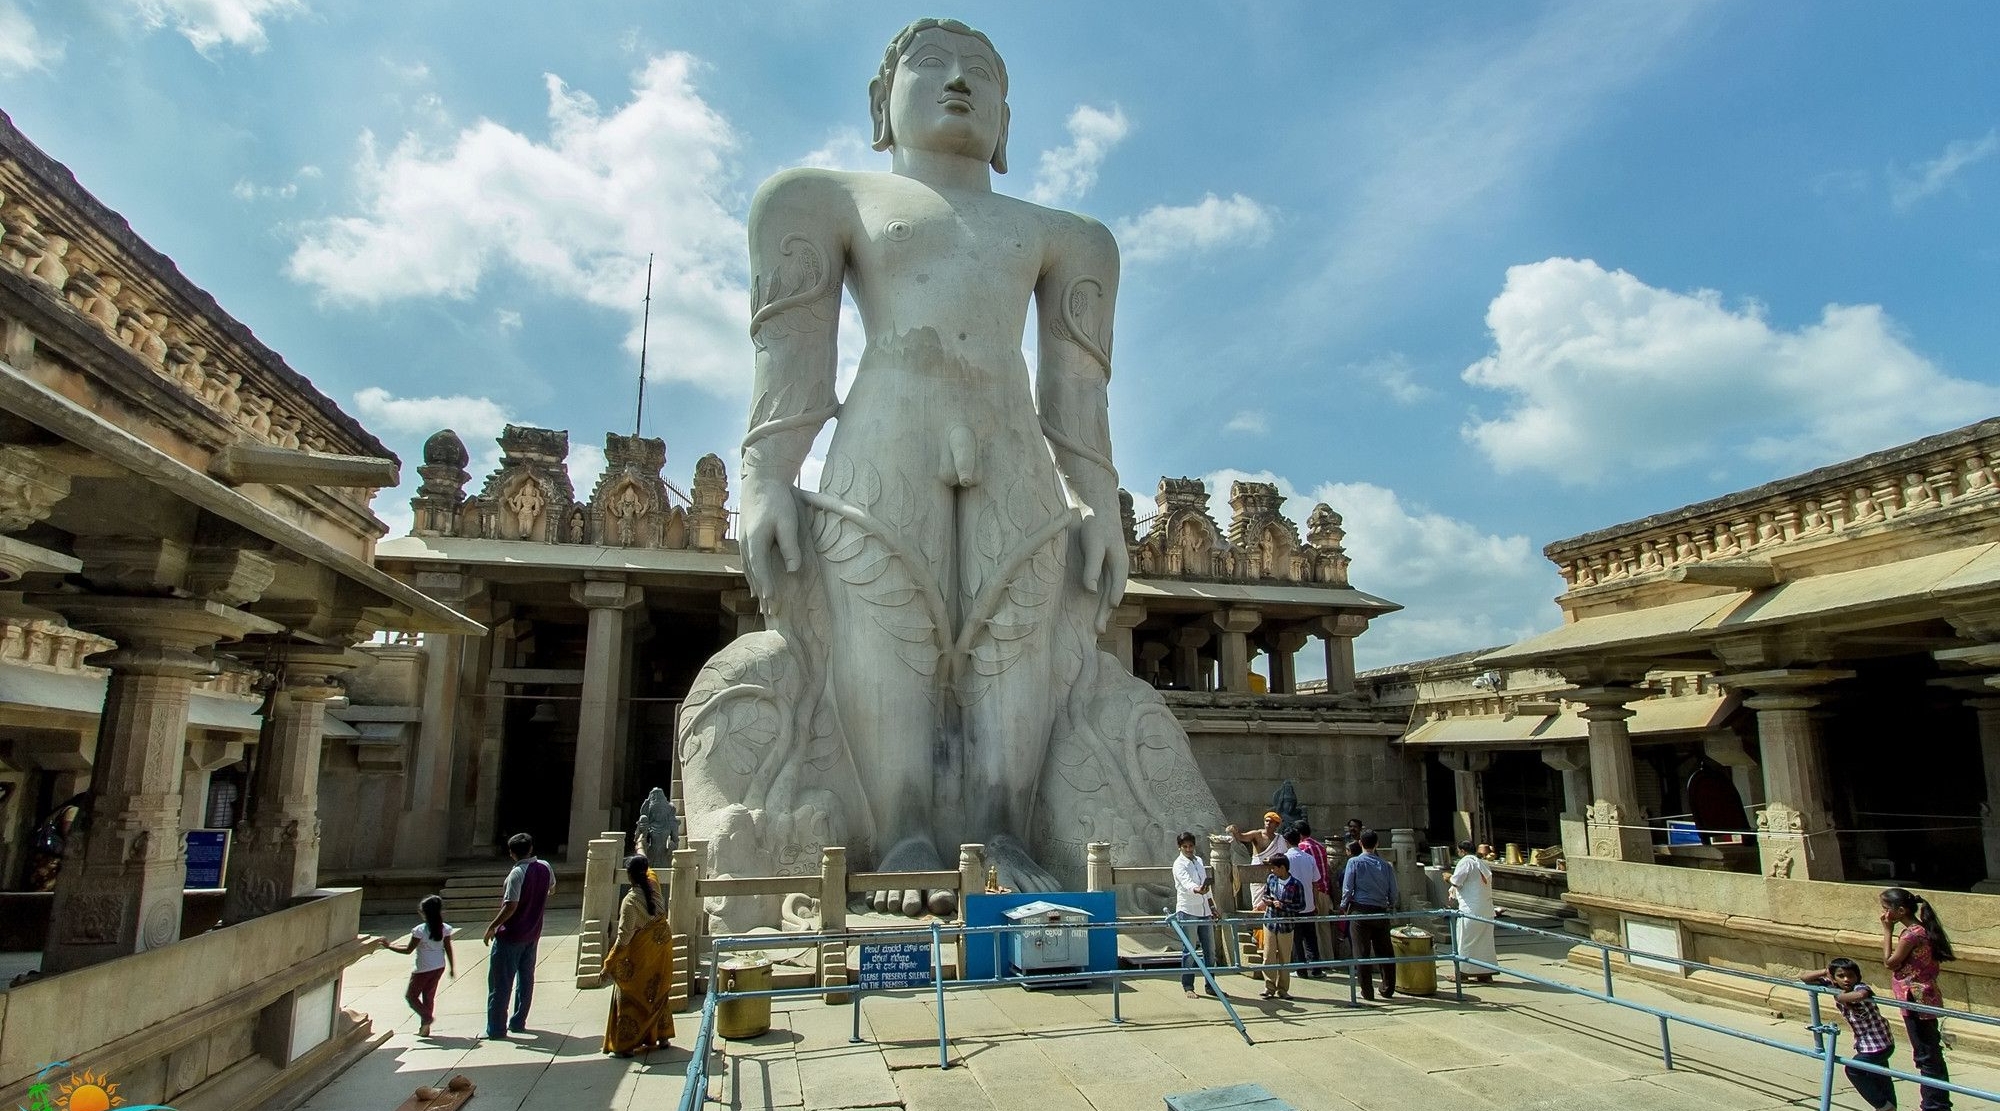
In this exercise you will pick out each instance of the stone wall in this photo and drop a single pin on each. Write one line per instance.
(1340, 770)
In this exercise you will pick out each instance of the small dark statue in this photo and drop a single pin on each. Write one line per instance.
(658, 832)
(1286, 802)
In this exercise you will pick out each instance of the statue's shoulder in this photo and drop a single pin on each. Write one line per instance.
(1075, 236)
(805, 192)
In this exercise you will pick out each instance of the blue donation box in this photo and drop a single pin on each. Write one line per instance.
(890, 966)
(207, 857)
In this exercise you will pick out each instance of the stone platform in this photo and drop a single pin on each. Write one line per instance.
(1508, 1046)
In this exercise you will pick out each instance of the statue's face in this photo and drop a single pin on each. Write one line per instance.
(946, 96)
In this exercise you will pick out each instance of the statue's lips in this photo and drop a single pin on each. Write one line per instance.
(956, 103)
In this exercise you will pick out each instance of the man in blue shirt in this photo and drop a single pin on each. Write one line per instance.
(1368, 886)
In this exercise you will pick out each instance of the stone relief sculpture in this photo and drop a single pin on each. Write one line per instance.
(929, 673)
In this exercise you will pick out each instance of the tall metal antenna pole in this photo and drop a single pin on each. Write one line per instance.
(645, 324)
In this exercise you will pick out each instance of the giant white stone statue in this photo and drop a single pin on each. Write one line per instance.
(929, 673)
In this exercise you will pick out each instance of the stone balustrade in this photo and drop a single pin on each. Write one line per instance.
(85, 258)
(1932, 481)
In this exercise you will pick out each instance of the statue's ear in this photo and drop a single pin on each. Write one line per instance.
(1000, 148)
(878, 111)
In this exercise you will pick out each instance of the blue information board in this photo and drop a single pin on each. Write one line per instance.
(895, 964)
(207, 856)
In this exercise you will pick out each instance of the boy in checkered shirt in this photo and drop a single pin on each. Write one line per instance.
(1872, 1041)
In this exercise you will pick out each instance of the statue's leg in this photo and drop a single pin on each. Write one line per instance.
(1011, 683)
(886, 627)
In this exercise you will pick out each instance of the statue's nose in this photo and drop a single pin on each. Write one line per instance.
(957, 84)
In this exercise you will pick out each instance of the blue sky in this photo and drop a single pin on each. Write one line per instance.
(1482, 276)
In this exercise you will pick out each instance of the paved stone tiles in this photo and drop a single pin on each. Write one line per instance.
(1507, 1046)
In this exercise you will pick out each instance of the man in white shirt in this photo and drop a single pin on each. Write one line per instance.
(1194, 906)
(1305, 869)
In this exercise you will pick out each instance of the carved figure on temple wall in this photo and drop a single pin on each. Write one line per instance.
(95, 295)
(1814, 521)
(1768, 531)
(1649, 556)
(1978, 477)
(1917, 493)
(625, 510)
(1866, 509)
(525, 504)
(1684, 549)
(576, 525)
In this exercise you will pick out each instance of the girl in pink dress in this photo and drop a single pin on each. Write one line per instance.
(1912, 956)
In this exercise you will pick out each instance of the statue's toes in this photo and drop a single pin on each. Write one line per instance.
(913, 902)
(943, 902)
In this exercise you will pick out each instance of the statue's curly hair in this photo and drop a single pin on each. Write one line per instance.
(878, 89)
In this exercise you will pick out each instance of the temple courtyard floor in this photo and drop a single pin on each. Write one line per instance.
(1508, 1045)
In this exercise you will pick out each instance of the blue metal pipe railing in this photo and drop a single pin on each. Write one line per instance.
(1825, 1035)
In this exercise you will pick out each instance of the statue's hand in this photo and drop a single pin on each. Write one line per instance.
(770, 536)
(1105, 561)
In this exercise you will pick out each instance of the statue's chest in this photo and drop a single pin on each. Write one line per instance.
(922, 239)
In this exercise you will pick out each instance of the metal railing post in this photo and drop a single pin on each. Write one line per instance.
(855, 1037)
(937, 977)
(1208, 975)
(1666, 1045)
(1607, 972)
(1828, 1050)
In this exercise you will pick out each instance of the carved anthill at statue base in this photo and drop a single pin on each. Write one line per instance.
(929, 674)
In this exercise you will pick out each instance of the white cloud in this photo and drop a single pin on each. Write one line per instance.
(1927, 179)
(576, 213)
(245, 190)
(1250, 421)
(1461, 587)
(23, 50)
(1396, 377)
(1603, 374)
(212, 23)
(1069, 172)
(509, 320)
(846, 148)
(473, 418)
(586, 463)
(1211, 223)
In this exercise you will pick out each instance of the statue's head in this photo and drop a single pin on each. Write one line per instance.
(942, 86)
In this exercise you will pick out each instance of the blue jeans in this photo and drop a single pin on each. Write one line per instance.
(1202, 931)
(510, 967)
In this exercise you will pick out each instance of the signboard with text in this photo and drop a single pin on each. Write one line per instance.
(888, 966)
(207, 857)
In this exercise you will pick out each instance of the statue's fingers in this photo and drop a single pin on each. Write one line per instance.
(788, 547)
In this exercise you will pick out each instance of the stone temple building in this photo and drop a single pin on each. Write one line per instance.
(185, 566)
(1759, 711)
(602, 605)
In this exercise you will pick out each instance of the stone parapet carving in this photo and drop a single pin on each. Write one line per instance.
(90, 264)
(1933, 480)
(531, 498)
(1183, 541)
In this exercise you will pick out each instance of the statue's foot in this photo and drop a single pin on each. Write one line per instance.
(1018, 871)
(912, 854)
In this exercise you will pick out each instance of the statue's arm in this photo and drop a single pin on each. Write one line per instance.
(1074, 300)
(797, 256)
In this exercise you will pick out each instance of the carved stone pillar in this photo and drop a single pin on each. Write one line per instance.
(1988, 714)
(1152, 657)
(1339, 633)
(1283, 648)
(1573, 761)
(1189, 674)
(1468, 821)
(597, 715)
(1795, 835)
(1117, 637)
(422, 833)
(119, 891)
(740, 614)
(1613, 825)
(1233, 647)
(276, 855)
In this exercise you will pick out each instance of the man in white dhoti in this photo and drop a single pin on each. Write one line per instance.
(1472, 892)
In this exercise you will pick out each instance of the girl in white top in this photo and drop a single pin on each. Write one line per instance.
(431, 942)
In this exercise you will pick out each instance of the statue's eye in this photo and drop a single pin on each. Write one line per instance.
(928, 61)
(979, 72)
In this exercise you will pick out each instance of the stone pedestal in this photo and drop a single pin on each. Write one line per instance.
(603, 869)
(1232, 653)
(276, 855)
(597, 715)
(119, 891)
(1795, 834)
(1613, 823)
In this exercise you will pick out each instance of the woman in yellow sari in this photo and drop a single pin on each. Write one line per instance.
(640, 965)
